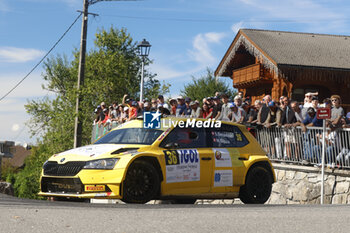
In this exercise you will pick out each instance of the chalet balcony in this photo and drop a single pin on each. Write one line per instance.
(249, 76)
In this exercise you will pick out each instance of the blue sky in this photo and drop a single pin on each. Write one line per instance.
(186, 37)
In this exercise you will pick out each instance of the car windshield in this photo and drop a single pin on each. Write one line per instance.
(130, 136)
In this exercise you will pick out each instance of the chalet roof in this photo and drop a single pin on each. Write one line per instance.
(290, 48)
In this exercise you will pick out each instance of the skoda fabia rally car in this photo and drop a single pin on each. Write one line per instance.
(182, 160)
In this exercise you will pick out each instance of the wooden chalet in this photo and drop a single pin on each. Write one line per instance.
(262, 62)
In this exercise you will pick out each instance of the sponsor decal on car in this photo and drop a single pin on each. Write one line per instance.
(165, 133)
(94, 188)
(182, 165)
(223, 178)
(222, 158)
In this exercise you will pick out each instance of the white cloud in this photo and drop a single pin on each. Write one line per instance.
(167, 73)
(31, 87)
(313, 15)
(201, 51)
(235, 27)
(12, 54)
(15, 127)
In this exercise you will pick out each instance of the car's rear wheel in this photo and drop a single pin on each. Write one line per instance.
(141, 183)
(257, 188)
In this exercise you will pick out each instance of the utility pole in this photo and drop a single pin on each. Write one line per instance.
(81, 74)
(78, 127)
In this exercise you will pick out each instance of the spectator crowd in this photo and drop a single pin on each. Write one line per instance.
(264, 113)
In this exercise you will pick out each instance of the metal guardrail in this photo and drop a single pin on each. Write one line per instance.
(295, 146)
(99, 130)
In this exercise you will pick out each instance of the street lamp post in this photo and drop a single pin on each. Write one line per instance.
(144, 48)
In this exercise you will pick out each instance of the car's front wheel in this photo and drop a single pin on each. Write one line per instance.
(141, 183)
(257, 188)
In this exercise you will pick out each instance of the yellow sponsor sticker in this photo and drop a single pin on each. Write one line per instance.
(94, 188)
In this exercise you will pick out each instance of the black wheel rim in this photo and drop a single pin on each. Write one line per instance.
(140, 183)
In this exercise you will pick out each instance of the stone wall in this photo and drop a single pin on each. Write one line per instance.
(302, 185)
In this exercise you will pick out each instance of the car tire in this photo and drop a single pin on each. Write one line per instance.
(141, 183)
(184, 201)
(258, 186)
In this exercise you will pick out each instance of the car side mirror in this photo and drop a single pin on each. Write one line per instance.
(171, 145)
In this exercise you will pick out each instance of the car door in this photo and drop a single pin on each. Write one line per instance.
(228, 166)
(188, 162)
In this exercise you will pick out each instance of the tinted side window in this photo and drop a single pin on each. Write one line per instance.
(187, 137)
(227, 136)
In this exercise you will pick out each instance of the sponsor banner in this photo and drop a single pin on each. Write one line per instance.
(222, 158)
(182, 165)
(223, 178)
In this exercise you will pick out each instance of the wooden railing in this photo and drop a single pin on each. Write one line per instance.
(247, 74)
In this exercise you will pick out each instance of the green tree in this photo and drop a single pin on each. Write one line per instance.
(205, 86)
(112, 70)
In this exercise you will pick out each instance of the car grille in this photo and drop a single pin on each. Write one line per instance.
(61, 185)
(67, 169)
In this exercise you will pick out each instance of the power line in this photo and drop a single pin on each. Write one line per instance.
(42, 59)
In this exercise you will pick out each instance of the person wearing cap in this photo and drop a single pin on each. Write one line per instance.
(196, 109)
(315, 103)
(216, 108)
(188, 110)
(225, 109)
(133, 110)
(236, 114)
(181, 106)
(308, 99)
(337, 111)
(162, 102)
(274, 115)
(127, 102)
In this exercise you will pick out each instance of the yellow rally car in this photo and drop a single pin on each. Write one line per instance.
(183, 160)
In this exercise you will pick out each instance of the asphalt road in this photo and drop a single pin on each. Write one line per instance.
(21, 215)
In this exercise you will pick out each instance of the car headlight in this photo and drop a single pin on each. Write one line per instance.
(101, 164)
